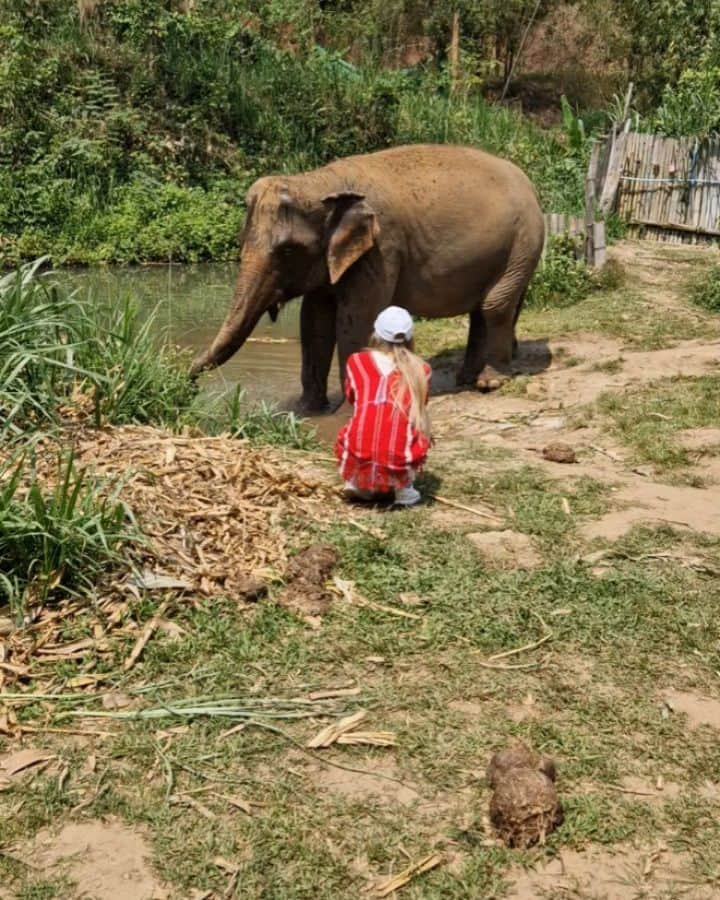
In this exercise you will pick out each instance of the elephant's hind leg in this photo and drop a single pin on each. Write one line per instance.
(317, 336)
(499, 312)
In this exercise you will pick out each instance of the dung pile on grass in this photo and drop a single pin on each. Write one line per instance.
(214, 514)
(524, 807)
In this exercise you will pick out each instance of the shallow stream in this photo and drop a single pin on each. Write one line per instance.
(191, 302)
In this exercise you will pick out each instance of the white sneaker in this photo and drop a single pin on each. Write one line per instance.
(407, 496)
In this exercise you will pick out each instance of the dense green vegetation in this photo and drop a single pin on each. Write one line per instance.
(56, 540)
(706, 290)
(60, 355)
(130, 130)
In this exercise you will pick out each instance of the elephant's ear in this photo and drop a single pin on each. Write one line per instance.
(250, 204)
(353, 229)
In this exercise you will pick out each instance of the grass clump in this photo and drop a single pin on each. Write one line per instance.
(262, 423)
(705, 291)
(561, 279)
(62, 357)
(55, 539)
(648, 420)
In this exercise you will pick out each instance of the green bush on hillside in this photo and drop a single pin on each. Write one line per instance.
(130, 131)
(706, 290)
(561, 279)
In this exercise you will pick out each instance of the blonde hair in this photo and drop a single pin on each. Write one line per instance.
(412, 379)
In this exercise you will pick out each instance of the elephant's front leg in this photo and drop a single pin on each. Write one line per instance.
(317, 337)
(354, 327)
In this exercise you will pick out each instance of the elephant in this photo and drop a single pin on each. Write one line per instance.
(441, 230)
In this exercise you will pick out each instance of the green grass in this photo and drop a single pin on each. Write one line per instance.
(263, 423)
(705, 290)
(648, 419)
(56, 541)
(637, 628)
(62, 355)
(56, 348)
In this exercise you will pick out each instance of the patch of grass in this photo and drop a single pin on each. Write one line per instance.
(621, 313)
(705, 290)
(648, 419)
(57, 540)
(61, 356)
(136, 376)
(64, 358)
(609, 366)
(529, 501)
(263, 423)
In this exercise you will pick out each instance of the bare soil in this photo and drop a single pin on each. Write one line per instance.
(625, 874)
(549, 408)
(104, 860)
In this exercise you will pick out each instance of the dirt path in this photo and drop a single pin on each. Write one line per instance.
(553, 404)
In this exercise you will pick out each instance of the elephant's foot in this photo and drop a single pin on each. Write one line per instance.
(515, 348)
(465, 376)
(312, 405)
(490, 379)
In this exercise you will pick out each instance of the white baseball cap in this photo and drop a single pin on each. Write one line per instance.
(394, 325)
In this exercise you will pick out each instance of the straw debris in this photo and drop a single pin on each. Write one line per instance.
(216, 518)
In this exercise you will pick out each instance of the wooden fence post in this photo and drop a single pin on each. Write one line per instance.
(590, 189)
(454, 50)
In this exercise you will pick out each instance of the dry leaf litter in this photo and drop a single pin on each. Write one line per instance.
(214, 511)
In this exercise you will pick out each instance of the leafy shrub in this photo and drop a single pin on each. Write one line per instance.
(691, 105)
(130, 132)
(55, 540)
(560, 279)
(706, 290)
(56, 349)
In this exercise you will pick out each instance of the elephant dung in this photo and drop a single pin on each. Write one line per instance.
(559, 452)
(524, 807)
(306, 578)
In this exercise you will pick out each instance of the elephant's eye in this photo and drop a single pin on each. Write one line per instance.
(286, 249)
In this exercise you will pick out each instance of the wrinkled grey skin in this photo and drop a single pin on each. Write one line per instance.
(439, 230)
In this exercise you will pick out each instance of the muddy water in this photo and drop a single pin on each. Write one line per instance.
(191, 302)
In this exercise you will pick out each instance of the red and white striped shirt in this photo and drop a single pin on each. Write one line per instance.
(378, 449)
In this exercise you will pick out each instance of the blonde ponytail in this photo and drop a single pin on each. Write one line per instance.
(412, 379)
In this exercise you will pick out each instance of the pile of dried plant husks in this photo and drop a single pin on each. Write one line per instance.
(216, 515)
(212, 508)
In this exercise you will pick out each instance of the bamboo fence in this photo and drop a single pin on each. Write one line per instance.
(667, 189)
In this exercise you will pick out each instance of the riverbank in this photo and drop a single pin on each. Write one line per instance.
(569, 605)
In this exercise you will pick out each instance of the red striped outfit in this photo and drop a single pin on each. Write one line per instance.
(378, 449)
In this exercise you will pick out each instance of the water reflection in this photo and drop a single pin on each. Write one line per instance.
(191, 302)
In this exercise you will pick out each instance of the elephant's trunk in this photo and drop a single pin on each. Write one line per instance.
(255, 291)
